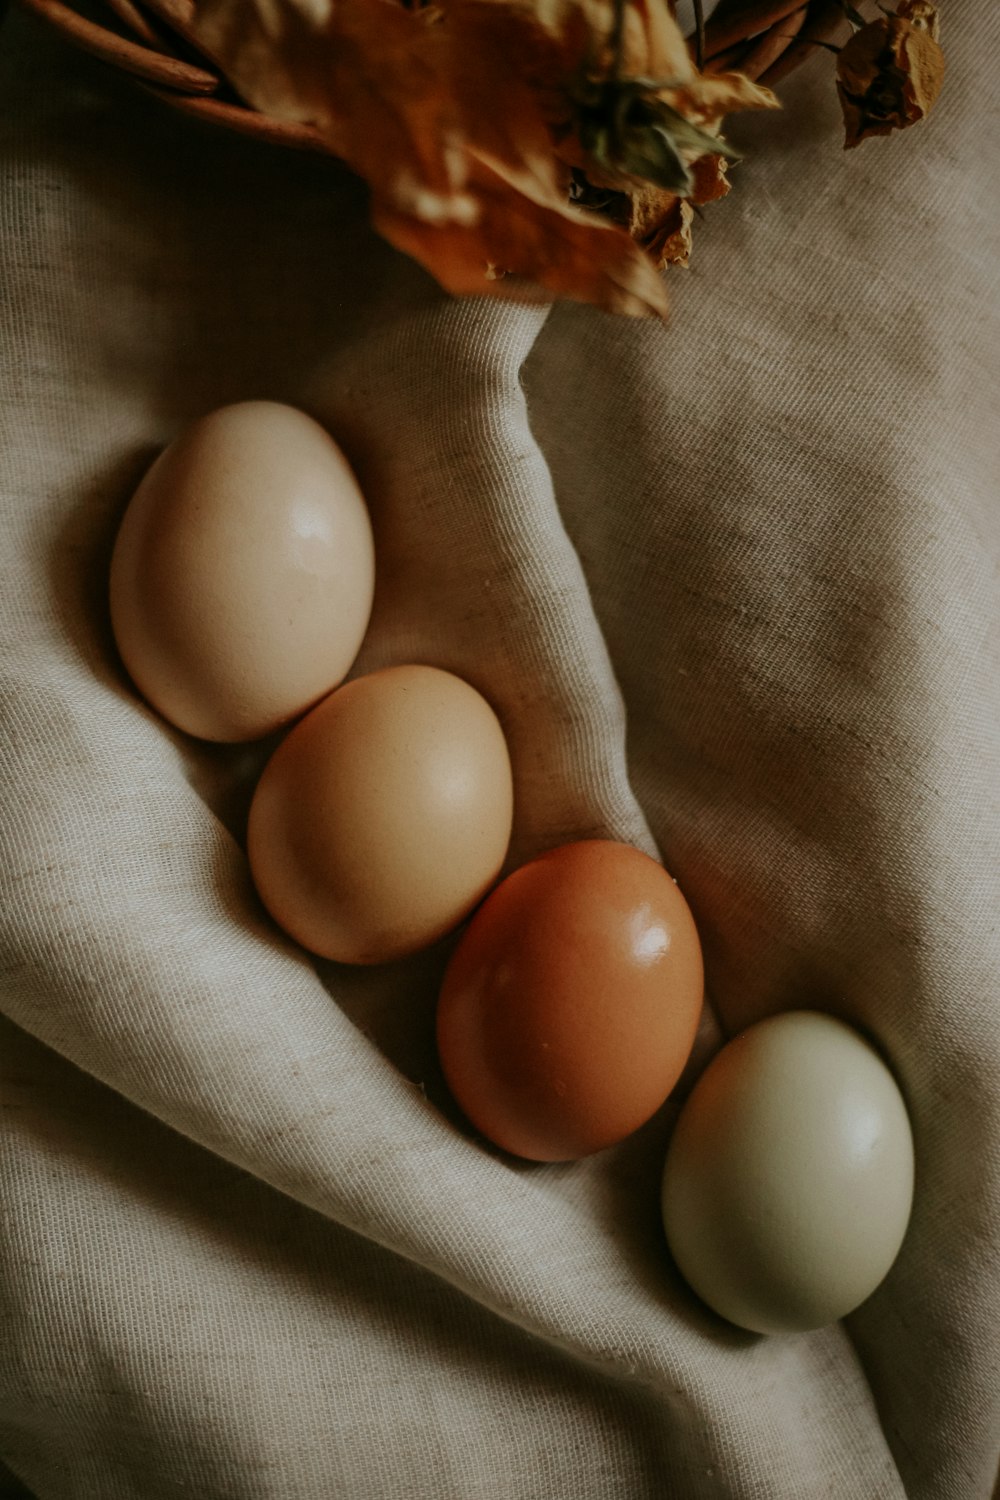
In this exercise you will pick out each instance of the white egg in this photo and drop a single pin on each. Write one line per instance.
(243, 574)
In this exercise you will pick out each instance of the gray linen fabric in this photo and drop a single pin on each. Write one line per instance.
(732, 587)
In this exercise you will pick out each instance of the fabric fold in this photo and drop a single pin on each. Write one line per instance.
(252, 1250)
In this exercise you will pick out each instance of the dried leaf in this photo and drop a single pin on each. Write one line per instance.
(889, 73)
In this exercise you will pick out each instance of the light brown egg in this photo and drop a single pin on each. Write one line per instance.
(789, 1179)
(384, 817)
(571, 1004)
(243, 573)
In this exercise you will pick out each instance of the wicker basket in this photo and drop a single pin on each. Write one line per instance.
(152, 41)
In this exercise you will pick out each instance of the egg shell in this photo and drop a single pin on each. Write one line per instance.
(571, 1004)
(243, 573)
(789, 1178)
(384, 816)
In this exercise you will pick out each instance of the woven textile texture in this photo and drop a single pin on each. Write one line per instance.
(732, 588)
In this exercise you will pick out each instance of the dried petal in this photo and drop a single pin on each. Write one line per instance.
(671, 243)
(662, 222)
(707, 98)
(889, 73)
(549, 245)
(711, 179)
(580, 31)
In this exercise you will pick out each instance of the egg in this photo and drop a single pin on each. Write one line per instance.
(789, 1178)
(570, 1006)
(384, 816)
(243, 573)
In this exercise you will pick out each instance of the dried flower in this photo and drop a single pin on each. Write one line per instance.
(468, 117)
(537, 148)
(629, 131)
(890, 71)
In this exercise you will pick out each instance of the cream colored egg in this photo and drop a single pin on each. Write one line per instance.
(384, 816)
(789, 1179)
(243, 573)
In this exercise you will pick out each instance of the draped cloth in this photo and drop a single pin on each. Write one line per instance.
(731, 586)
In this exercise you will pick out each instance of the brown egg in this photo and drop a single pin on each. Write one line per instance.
(243, 573)
(384, 817)
(571, 1004)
